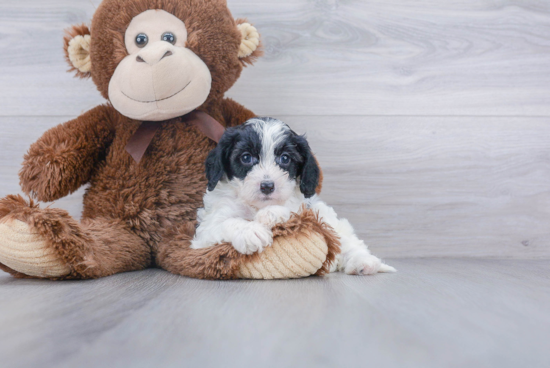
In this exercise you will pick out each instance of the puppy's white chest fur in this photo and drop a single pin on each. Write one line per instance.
(226, 217)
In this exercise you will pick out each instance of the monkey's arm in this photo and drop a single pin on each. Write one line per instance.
(234, 113)
(63, 159)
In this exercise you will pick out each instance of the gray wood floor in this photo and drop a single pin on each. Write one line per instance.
(431, 120)
(433, 313)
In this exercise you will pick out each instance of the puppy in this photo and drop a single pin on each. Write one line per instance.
(258, 175)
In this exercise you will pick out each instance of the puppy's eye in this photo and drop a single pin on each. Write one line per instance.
(169, 37)
(246, 158)
(142, 40)
(284, 159)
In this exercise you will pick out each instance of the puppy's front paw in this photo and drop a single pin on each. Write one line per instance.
(362, 264)
(272, 215)
(252, 238)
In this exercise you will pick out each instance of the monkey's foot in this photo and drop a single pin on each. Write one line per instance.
(26, 252)
(29, 238)
(302, 246)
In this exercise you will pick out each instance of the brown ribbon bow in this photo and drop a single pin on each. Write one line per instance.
(140, 141)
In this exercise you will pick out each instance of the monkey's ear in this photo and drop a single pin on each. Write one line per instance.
(251, 46)
(77, 50)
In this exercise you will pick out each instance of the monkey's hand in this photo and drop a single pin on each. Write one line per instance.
(63, 159)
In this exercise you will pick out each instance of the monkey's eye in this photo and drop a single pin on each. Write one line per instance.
(246, 158)
(141, 40)
(169, 37)
(284, 159)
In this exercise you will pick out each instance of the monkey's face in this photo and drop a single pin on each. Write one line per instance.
(156, 60)
(160, 78)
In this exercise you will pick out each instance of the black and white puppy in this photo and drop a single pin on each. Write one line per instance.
(258, 175)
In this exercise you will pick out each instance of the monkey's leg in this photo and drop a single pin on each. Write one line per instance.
(302, 246)
(175, 255)
(48, 243)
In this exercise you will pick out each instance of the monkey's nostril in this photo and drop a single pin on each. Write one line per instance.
(168, 53)
(139, 59)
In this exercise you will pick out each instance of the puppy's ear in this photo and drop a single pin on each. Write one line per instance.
(218, 159)
(214, 168)
(309, 172)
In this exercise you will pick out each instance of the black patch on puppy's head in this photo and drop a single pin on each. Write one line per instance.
(226, 157)
(302, 162)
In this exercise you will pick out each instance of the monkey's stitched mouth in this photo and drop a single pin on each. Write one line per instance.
(162, 99)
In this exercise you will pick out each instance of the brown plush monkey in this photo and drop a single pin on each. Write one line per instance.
(164, 67)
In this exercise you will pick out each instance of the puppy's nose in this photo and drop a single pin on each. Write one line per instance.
(267, 187)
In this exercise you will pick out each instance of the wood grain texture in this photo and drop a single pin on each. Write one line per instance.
(411, 186)
(432, 313)
(324, 57)
(434, 186)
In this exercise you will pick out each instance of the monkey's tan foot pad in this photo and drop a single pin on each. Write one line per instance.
(288, 258)
(27, 252)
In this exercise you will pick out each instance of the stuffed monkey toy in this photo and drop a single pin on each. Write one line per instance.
(163, 66)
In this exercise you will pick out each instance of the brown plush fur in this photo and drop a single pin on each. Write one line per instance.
(136, 215)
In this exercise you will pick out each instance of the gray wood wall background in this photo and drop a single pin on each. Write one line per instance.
(431, 118)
